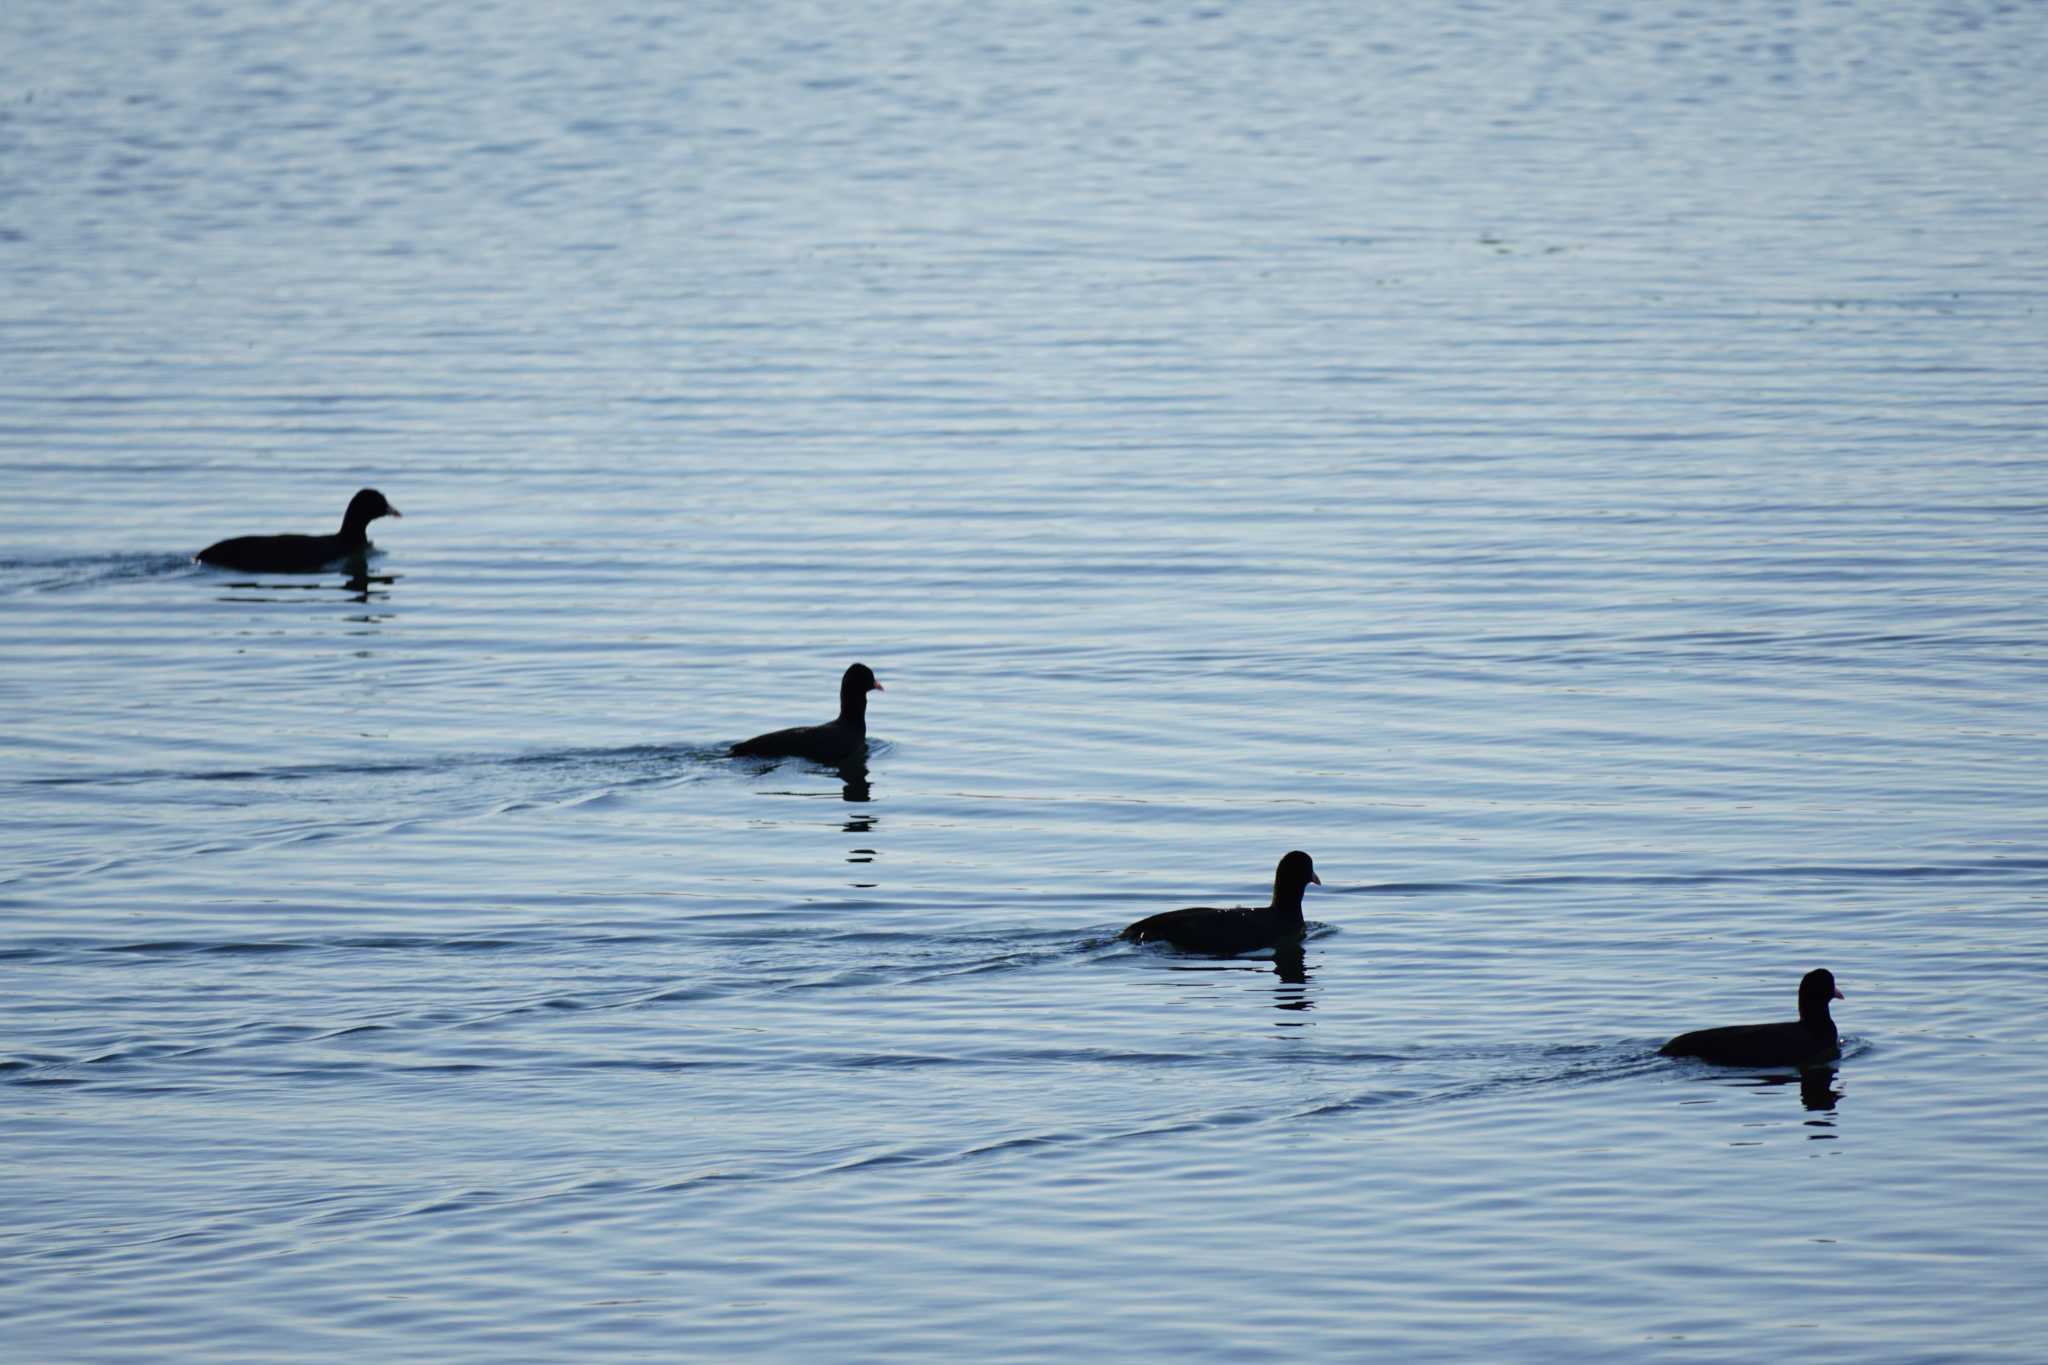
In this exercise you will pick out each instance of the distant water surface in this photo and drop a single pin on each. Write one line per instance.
(1578, 473)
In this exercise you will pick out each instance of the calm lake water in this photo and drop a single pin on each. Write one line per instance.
(1579, 473)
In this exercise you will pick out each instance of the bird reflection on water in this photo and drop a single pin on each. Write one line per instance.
(1817, 1089)
(1290, 964)
(859, 824)
(1291, 990)
(1818, 1094)
(361, 585)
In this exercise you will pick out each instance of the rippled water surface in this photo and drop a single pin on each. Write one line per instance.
(1579, 473)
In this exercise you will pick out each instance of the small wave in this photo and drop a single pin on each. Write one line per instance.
(1542, 1066)
(640, 757)
(1508, 1069)
(569, 776)
(57, 573)
(554, 940)
(1997, 867)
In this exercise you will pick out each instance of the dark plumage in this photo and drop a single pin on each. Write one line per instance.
(1225, 933)
(303, 554)
(836, 743)
(1806, 1041)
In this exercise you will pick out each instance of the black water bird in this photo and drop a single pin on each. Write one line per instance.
(1808, 1040)
(839, 743)
(303, 554)
(1226, 933)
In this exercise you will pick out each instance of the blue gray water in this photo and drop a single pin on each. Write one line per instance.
(1579, 473)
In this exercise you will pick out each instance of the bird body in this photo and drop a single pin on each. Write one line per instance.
(1809, 1040)
(837, 743)
(1228, 932)
(301, 553)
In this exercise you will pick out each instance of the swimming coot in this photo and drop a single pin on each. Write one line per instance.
(836, 743)
(303, 554)
(1806, 1041)
(1226, 933)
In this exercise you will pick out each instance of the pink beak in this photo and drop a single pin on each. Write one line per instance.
(1839, 995)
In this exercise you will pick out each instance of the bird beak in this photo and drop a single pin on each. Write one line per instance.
(391, 511)
(878, 688)
(1314, 878)
(1839, 995)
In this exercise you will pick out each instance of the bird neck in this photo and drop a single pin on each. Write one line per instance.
(853, 709)
(1287, 898)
